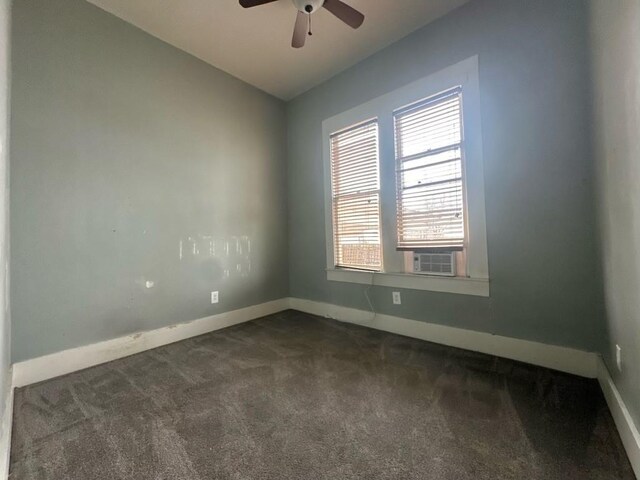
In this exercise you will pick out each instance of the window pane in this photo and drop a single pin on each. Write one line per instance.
(355, 185)
(430, 189)
(435, 173)
(430, 127)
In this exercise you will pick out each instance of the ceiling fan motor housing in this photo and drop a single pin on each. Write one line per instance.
(308, 6)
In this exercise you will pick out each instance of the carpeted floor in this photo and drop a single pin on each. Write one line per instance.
(292, 396)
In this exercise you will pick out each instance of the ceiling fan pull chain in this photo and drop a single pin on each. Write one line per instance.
(338, 8)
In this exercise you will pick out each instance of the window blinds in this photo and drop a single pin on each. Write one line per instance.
(430, 174)
(355, 184)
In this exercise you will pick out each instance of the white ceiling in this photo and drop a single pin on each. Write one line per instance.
(255, 44)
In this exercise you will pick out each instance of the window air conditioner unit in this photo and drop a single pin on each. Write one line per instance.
(443, 264)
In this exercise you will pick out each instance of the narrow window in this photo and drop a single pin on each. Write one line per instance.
(430, 174)
(355, 185)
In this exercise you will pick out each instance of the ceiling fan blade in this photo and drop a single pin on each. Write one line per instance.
(344, 12)
(254, 3)
(300, 30)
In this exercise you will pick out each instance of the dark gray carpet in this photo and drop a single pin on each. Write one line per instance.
(292, 396)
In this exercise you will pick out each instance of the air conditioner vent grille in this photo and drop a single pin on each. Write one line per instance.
(443, 264)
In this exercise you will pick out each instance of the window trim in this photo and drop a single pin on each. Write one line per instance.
(465, 74)
(478, 287)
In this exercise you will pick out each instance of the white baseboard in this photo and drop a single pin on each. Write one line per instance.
(565, 359)
(5, 435)
(60, 363)
(67, 361)
(626, 427)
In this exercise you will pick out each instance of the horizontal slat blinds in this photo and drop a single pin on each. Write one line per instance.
(355, 185)
(430, 174)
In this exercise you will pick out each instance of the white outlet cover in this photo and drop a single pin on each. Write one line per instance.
(214, 297)
(397, 300)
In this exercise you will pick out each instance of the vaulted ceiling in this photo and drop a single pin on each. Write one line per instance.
(255, 44)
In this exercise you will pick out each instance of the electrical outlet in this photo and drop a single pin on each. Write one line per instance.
(619, 357)
(396, 298)
(214, 297)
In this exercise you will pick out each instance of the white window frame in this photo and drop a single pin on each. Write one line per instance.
(464, 74)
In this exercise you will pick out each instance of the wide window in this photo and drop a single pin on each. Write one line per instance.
(355, 186)
(404, 187)
(430, 185)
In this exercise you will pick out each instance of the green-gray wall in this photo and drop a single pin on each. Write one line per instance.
(5, 320)
(123, 149)
(135, 162)
(616, 62)
(541, 229)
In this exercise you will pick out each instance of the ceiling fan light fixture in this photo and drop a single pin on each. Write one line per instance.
(306, 8)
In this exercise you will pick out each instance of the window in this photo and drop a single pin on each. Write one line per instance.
(355, 186)
(410, 180)
(429, 190)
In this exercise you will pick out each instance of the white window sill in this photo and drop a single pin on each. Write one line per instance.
(465, 286)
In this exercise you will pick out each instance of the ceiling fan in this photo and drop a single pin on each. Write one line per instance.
(344, 12)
